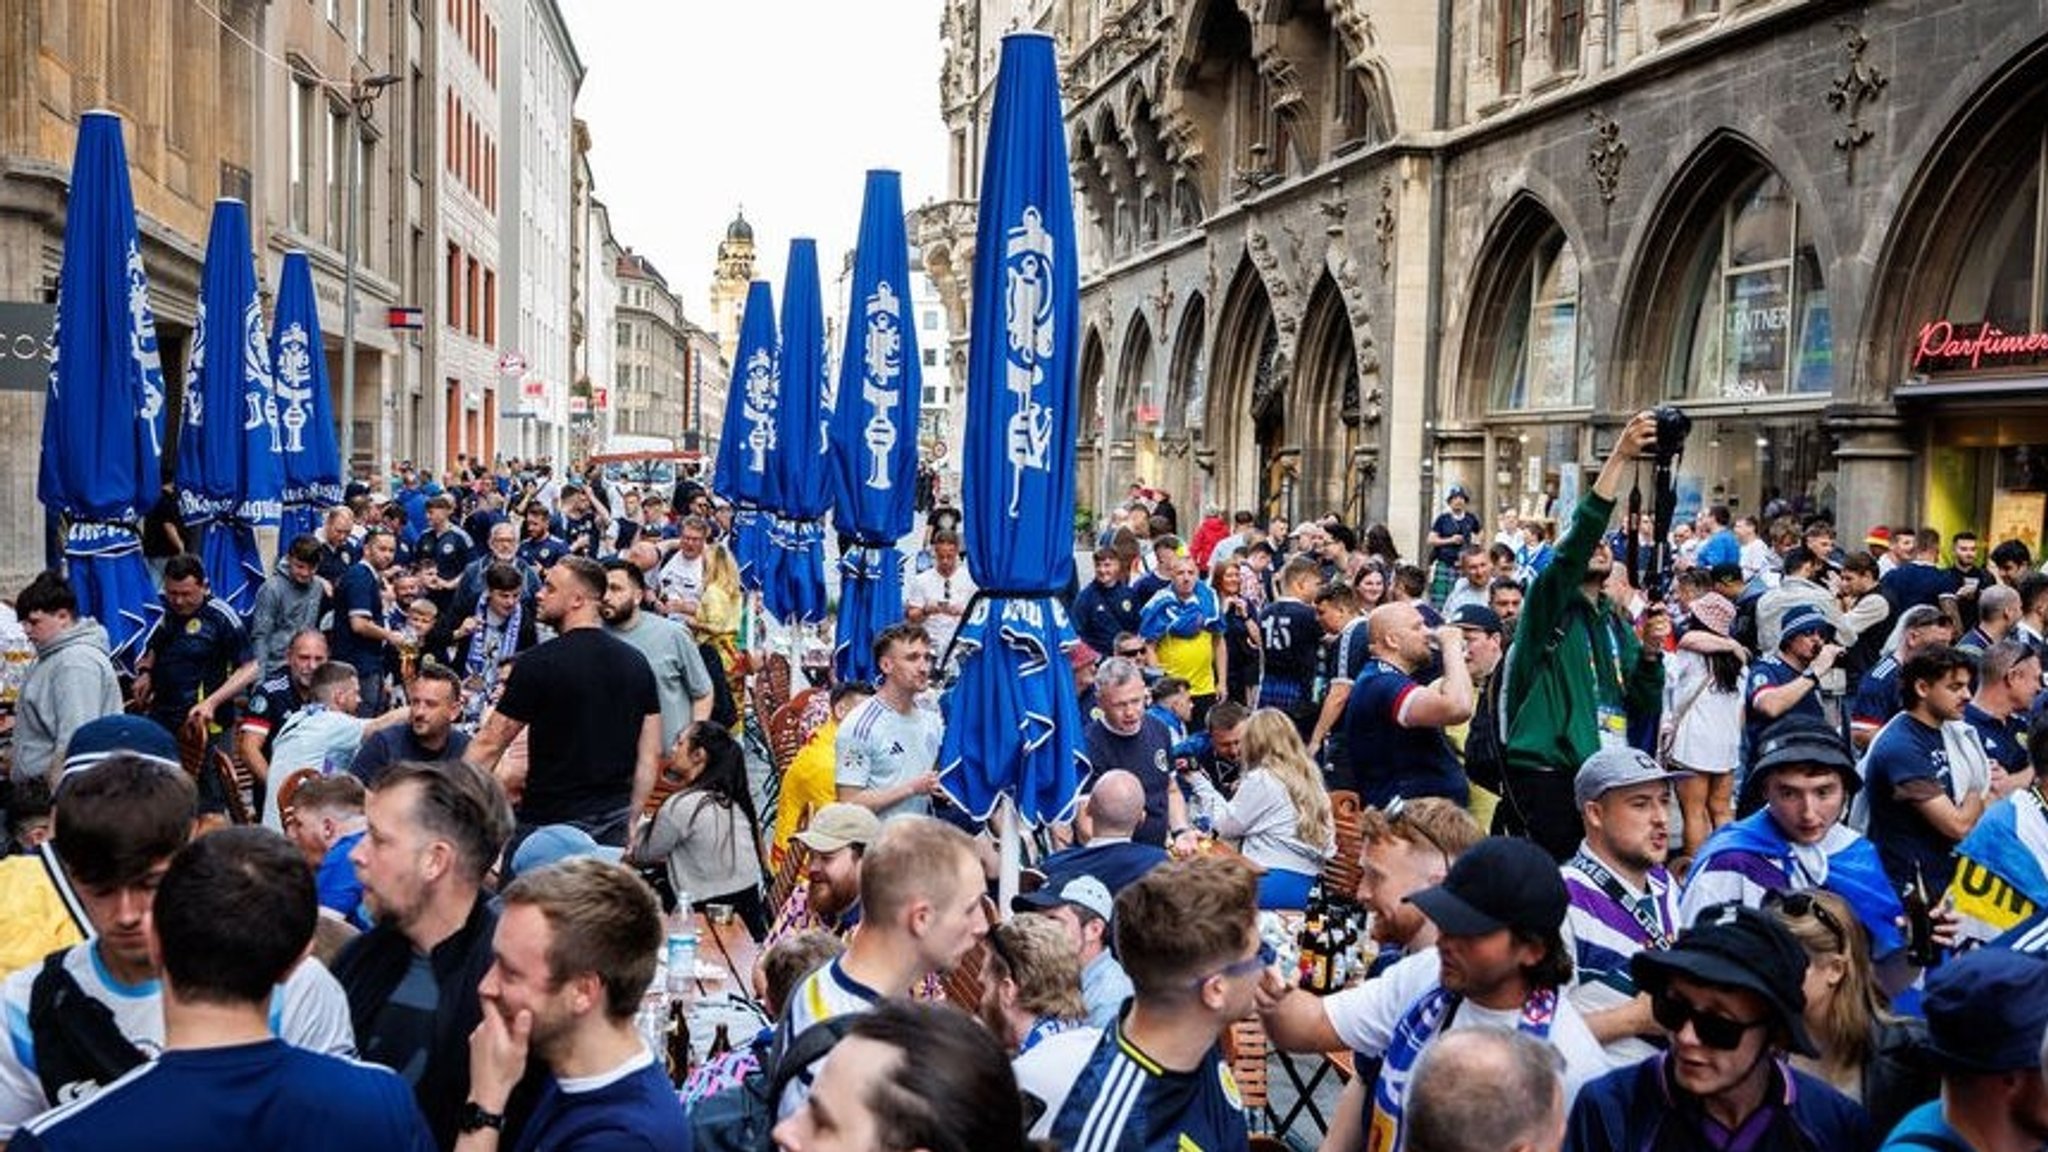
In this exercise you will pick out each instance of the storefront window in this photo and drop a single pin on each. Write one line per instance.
(1542, 362)
(2002, 278)
(1757, 306)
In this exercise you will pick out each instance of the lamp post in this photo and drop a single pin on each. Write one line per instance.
(362, 96)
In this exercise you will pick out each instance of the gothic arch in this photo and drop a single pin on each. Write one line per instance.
(1187, 381)
(1523, 226)
(1327, 398)
(1139, 390)
(1246, 423)
(1655, 293)
(1965, 175)
(1093, 445)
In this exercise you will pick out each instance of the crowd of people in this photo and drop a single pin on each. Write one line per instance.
(1751, 854)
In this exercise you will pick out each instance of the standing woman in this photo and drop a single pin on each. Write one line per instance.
(1280, 815)
(1703, 714)
(707, 832)
(718, 615)
(1241, 634)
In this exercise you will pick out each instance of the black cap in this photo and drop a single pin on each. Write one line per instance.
(1799, 740)
(1986, 1010)
(1499, 883)
(1477, 616)
(1735, 946)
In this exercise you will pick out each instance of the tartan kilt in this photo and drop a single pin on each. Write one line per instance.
(1442, 577)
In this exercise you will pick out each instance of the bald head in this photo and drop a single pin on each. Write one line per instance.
(1487, 1090)
(644, 556)
(1998, 608)
(1117, 804)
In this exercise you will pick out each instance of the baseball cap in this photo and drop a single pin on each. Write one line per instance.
(1612, 768)
(1735, 946)
(1457, 491)
(554, 843)
(1082, 892)
(1986, 1010)
(836, 825)
(1801, 619)
(1477, 616)
(1500, 882)
(1081, 655)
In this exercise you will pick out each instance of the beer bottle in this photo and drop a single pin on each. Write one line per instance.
(721, 1043)
(1921, 950)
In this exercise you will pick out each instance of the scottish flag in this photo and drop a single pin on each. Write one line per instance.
(230, 471)
(740, 474)
(1012, 723)
(799, 489)
(305, 410)
(874, 430)
(103, 428)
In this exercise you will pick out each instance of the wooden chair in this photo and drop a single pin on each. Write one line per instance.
(237, 784)
(771, 685)
(666, 784)
(963, 985)
(786, 729)
(288, 793)
(1342, 872)
(796, 860)
(1245, 1048)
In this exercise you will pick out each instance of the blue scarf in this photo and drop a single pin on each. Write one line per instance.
(1168, 615)
(1854, 873)
(480, 664)
(1387, 1127)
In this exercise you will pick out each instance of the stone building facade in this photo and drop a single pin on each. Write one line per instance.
(1338, 256)
(649, 395)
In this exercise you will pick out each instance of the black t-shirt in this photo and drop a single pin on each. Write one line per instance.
(387, 746)
(582, 696)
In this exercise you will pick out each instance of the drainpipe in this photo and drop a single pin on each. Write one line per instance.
(1433, 344)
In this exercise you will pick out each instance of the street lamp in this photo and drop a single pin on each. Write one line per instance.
(362, 95)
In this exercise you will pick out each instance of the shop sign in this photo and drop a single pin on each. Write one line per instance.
(1946, 346)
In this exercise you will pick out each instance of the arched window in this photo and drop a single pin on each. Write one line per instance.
(1753, 321)
(2004, 275)
(1543, 360)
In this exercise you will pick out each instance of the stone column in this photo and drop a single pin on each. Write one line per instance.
(1875, 455)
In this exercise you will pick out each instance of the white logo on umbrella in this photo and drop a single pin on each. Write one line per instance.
(882, 361)
(1028, 323)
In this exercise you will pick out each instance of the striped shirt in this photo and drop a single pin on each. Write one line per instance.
(1124, 1101)
(1601, 934)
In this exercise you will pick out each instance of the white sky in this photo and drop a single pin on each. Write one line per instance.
(697, 108)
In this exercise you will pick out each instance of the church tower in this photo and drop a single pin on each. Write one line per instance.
(729, 285)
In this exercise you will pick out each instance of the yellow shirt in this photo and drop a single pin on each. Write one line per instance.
(38, 922)
(807, 784)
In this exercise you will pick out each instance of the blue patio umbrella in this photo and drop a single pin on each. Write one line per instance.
(305, 410)
(799, 489)
(1012, 724)
(874, 430)
(230, 474)
(102, 442)
(740, 474)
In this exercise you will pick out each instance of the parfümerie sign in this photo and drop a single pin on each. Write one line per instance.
(25, 345)
(1946, 346)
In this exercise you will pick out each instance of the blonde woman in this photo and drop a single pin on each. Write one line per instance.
(1866, 1051)
(1279, 817)
(718, 614)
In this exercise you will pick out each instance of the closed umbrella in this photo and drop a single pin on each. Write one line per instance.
(874, 430)
(740, 474)
(799, 488)
(305, 411)
(1012, 722)
(102, 441)
(230, 474)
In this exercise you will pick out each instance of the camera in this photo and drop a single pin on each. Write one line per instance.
(1673, 426)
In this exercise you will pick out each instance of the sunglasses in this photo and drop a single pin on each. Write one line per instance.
(1723, 1033)
(1258, 961)
(1800, 905)
(1132, 653)
(1397, 813)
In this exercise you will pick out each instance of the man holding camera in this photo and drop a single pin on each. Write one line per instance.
(1560, 714)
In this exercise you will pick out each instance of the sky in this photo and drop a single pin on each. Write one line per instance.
(698, 109)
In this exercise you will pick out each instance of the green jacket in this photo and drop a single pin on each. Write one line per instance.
(1557, 674)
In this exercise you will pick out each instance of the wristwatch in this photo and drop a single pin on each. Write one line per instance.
(475, 1118)
(1810, 674)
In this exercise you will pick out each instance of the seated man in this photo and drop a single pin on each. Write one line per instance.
(119, 823)
(232, 918)
(1730, 996)
(1083, 907)
(327, 824)
(574, 954)
(829, 898)
(323, 737)
(808, 784)
(1157, 1078)
(1487, 1090)
(1113, 811)
(1031, 1002)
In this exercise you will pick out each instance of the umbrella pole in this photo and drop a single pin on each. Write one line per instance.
(1010, 854)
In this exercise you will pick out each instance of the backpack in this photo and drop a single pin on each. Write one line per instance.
(78, 1046)
(740, 1118)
